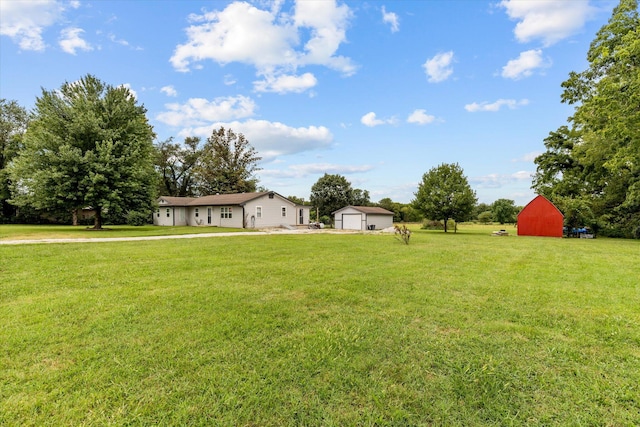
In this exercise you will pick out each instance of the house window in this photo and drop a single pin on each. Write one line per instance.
(284, 211)
(158, 213)
(197, 213)
(168, 212)
(258, 211)
(225, 212)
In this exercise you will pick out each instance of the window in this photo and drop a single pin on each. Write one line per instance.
(284, 211)
(258, 211)
(158, 213)
(225, 212)
(168, 212)
(197, 213)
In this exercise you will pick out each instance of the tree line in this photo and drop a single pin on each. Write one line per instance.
(591, 166)
(89, 144)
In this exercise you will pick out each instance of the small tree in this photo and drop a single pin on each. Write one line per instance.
(444, 193)
(504, 211)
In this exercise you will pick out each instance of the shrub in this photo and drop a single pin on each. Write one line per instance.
(325, 219)
(485, 217)
(428, 224)
(402, 233)
(137, 218)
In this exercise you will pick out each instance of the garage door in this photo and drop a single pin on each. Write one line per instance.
(352, 222)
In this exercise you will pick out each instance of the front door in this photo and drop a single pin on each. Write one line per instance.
(301, 217)
(209, 216)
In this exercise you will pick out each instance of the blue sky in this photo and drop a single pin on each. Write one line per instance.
(377, 91)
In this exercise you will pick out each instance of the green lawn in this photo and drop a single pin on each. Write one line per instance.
(322, 329)
(28, 232)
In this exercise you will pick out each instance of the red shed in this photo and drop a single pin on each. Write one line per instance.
(540, 218)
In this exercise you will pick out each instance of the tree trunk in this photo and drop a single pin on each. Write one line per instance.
(74, 217)
(97, 222)
(445, 224)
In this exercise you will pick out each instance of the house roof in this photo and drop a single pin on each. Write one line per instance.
(176, 201)
(368, 210)
(237, 199)
(226, 199)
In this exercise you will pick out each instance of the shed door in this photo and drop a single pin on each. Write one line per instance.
(351, 222)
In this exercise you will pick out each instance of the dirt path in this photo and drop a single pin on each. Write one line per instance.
(177, 236)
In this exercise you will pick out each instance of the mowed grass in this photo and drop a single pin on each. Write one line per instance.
(30, 232)
(322, 329)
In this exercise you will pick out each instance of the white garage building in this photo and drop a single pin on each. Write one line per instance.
(362, 218)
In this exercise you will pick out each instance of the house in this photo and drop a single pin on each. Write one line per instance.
(241, 210)
(540, 218)
(362, 218)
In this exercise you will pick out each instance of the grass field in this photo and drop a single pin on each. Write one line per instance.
(28, 232)
(322, 329)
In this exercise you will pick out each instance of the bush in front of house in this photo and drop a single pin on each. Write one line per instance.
(137, 218)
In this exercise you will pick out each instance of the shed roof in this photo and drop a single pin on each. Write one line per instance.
(367, 210)
(540, 200)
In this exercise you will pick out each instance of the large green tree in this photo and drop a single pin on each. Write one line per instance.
(595, 160)
(88, 144)
(176, 165)
(444, 193)
(13, 124)
(228, 164)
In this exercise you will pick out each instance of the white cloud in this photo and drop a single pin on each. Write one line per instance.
(114, 39)
(512, 104)
(71, 40)
(371, 120)
(199, 111)
(286, 83)
(268, 39)
(391, 19)
(229, 80)
(169, 91)
(547, 20)
(328, 24)
(528, 157)
(495, 180)
(25, 21)
(524, 66)
(420, 117)
(271, 139)
(304, 170)
(439, 68)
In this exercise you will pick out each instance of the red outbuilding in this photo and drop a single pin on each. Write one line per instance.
(540, 218)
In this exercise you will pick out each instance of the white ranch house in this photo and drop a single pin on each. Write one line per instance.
(241, 210)
(362, 218)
